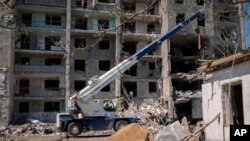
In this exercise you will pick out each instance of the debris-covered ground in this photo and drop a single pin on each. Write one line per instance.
(27, 129)
(153, 116)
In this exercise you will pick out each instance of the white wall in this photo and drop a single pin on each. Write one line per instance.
(212, 98)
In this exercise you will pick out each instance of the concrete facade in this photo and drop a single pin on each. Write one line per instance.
(6, 76)
(48, 72)
(214, 100)
(176, 60)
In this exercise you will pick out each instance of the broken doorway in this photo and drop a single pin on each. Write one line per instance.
(233, 104)
(24, 87)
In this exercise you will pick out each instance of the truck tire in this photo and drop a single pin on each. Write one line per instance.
(75, 128)
(119, 124)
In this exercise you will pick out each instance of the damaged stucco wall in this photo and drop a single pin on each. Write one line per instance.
(212, 101)
(6, 76)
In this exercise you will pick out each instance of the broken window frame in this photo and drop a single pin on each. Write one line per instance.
(103, 24)
(180, 17)
(225, 34)
(24, 109)
(52, 41)
(106, 1)
(81, 23)
(81, 63)
(25, 41)
(128, 85)
(55, 106)
(24, 85)
(53, 61)
(201, 21)
(132, 71)
(80, 43)
(81, 3)
(129, 47)
(53, 20)
(129, 27)
(79, 85)
(104, 44)
(104, 65)
(26, 19)
(200, 2)
(24, 60)
(129, 7)
(152, 66)
(52, 85)
(179, 1)
(152, 87)
(151, 11)
(106, 88)
(151, 28)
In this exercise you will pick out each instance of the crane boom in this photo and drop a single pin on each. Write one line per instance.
(92, 89)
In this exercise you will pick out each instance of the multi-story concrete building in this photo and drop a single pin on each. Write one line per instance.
(62, 52)
(64, 49)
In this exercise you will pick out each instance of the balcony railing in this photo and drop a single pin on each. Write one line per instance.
(154, 31)
(104, 6)
(54, 3)
(39, 69)
(144, 31)
(40, 92)
(52, 48)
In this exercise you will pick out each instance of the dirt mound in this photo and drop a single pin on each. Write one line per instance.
(131, 132)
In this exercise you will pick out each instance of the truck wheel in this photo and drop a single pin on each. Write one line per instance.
(119, 124)
(75, 128)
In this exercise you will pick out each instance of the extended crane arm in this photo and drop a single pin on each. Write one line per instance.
(92, 89)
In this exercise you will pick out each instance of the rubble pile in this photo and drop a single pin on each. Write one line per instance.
(186, 95)
(152, 115)
(191, 77)
(27, 129)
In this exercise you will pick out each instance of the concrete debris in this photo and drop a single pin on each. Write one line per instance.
(184, 96)
(31, 120)
(27, 129)
(190, 77)
(153, 116)
(184, 124)
(173, 132)
(199, 133)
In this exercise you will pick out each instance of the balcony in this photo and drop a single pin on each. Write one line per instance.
(52, 3)
(34, 50)
(104, 6)
(34, 92)
(154, 30)
(38, 69)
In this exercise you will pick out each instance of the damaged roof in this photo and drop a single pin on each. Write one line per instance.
(225, 62)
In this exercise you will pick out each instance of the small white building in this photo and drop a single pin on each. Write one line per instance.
(226, 90)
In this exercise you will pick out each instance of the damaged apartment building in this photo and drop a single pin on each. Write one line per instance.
(213, 35)
(62, 52)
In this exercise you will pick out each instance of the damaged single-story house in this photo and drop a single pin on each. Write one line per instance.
(226, 90)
